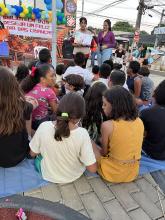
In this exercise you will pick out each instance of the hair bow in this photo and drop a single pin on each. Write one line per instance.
(33, 71)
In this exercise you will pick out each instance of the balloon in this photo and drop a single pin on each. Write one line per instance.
(33, 16)
(59, 4)
(64, 20)
(29, 15)
(22, 15)
(38, 16)
(60, 18)
(30, 9)
(26, 11)
(2, 13)
(6, 11)
(49, 7)
(13, 11)
(2, 5)
(17, 14)
(46, 16)
(50, 13)
(20, 9)
(47, 2)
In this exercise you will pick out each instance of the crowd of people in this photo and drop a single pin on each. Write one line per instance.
(70, 119)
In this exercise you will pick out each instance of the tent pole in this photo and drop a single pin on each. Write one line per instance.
(54, 32)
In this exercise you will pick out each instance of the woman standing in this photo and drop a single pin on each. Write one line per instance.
(106, 41)
(82, 40)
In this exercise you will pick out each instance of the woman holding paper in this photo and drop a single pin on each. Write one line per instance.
(82, 39)
(106, 41)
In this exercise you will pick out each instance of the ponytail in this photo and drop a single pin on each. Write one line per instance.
(62, 127)
(34, 78)
(71, 107)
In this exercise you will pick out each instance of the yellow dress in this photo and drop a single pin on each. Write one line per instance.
(122, 162)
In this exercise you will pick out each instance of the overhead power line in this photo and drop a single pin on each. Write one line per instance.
(109, 5)
(114, 18)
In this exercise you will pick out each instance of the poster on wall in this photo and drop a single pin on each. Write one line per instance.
(27, 33)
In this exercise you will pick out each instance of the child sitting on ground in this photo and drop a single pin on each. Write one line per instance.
(65, 148)
(22, 72)
(117, 78)
(154, 124)
(94, 112)
(45, 58)
(104, 74)
(38, 86)
(121, 136)
(147, 88)
(74, 83)
(95, 71)
(15, 121)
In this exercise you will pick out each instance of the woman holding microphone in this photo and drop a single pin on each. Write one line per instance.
(106, 41)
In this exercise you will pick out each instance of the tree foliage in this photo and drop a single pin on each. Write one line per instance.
(123, 26)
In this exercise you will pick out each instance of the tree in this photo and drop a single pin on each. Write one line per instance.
(123, 26)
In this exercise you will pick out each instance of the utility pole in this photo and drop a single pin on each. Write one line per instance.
(161, 19)
(139, 15)
(82, 12)
(54, 33)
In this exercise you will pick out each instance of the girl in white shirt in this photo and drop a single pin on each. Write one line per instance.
(65, 148)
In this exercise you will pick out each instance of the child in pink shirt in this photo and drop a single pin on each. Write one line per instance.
(37, 87)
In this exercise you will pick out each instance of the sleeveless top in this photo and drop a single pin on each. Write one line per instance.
(126, 140)
(121, 164)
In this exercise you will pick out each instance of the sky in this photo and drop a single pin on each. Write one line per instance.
(126, 11)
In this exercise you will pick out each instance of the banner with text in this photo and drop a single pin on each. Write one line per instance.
(28, 28)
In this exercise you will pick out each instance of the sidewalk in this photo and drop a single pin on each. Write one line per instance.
(100, 200)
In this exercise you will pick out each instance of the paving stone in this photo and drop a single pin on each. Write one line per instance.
(70, 197)
(51, 193)
(139, 214)
(150, 179)
(94, 207)
(102, 191)
(116, 211)
(147, 205)
(148, 189)
(122, 194)
(38, 195)
(33, 191)
(84, 212)
(163, 204)
(131, 187)
(82, 185)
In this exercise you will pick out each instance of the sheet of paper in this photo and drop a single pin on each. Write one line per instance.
(84, 39)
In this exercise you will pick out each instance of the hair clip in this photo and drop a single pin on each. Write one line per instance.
(33, 71)
(65, 114)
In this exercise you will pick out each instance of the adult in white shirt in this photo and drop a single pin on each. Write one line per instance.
(82, 40)
(79, 60)
(65, 148)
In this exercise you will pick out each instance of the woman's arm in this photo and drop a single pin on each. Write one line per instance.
(137, 87)
(112, 41)
(106, 132)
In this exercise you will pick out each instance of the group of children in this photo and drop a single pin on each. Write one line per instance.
(70, 119)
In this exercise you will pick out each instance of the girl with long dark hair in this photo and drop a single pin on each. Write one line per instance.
(122, 137)
(65, 148)
(37, 86)
(94, 113)
(15, 115)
